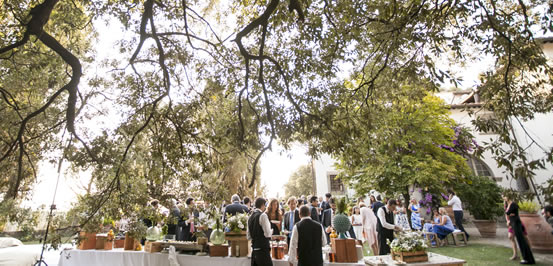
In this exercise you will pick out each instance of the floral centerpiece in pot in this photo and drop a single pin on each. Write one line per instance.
(237, 223)
(409, 247)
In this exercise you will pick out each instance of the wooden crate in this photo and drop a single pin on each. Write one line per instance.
(408, 257)
(239, 244)
(344, 249)
(152, 246)
(218, 250)
(239, 248)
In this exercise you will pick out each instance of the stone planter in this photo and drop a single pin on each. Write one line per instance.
(539, 232)
(486, 228)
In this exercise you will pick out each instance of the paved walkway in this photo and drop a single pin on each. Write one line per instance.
(501, 239)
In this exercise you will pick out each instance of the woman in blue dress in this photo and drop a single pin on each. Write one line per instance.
(444, 227)
(415, 215)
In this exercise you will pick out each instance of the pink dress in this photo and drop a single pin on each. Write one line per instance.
(369, 225)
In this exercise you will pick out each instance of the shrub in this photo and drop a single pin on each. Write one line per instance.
(482, 197)
(528, 206)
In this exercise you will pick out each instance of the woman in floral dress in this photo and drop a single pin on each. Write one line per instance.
(401, 217)
(415, 215)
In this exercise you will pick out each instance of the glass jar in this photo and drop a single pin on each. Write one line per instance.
(217, 237)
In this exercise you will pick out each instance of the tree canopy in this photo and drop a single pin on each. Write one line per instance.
(300, 182)
(194, 85)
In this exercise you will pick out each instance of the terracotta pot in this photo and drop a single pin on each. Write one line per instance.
(108, 245)
(130, 242)
(119, 243)
(88, 240)
(486, 228)
(539, 232)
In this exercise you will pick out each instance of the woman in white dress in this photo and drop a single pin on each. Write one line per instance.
(357, 223)
(369, 227)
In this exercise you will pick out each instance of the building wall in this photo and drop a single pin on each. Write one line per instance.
(324, 167)
(540, 129)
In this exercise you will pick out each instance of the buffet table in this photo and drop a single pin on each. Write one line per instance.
(434, 259)
(76, 257)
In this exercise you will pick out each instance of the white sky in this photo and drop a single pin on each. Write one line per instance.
(278, 165)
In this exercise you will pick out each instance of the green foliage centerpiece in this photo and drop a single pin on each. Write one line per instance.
(341, 220)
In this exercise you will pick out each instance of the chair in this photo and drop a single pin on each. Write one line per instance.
(431, 236)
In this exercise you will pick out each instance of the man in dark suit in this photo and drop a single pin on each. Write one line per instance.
(235, 207)
(308, 239)
(186, 221)
(314, 208)
(328, 216)
(325, 205)
(172, 223)
(377, 204)
(291, 218)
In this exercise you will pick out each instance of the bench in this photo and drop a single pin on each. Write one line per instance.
(459, 238)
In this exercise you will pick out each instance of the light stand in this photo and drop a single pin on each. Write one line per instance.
(41, 260)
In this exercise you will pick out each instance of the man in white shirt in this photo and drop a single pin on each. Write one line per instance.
(259, 232)
(457, 207)
(385, 226)
(308, 239)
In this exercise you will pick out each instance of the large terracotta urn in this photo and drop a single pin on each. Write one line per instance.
(539, 232)
(486, 227)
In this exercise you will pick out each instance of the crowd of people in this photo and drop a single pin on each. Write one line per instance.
(307, 223)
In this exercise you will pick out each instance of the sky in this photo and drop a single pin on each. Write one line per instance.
(277, 166)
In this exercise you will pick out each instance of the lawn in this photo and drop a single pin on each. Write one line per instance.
(480, 254)
(477, 254)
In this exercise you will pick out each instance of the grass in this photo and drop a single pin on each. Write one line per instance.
(476, 254)
(64, 239)
(480, 254)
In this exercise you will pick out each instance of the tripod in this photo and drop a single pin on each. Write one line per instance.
(41, 260)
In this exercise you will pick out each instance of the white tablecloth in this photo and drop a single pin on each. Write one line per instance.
(141, 258)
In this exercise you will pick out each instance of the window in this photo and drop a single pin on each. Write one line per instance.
(479, 167)
(336, 185)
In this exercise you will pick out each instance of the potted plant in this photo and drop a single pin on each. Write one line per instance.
(87, 235)
(341, 221)
(482, 197)
(237, 234)
(537, 228)
(136, 230)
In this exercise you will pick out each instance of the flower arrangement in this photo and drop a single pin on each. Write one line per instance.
(431, 200)
(136, 228)
(408, 242)
(237, 223)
